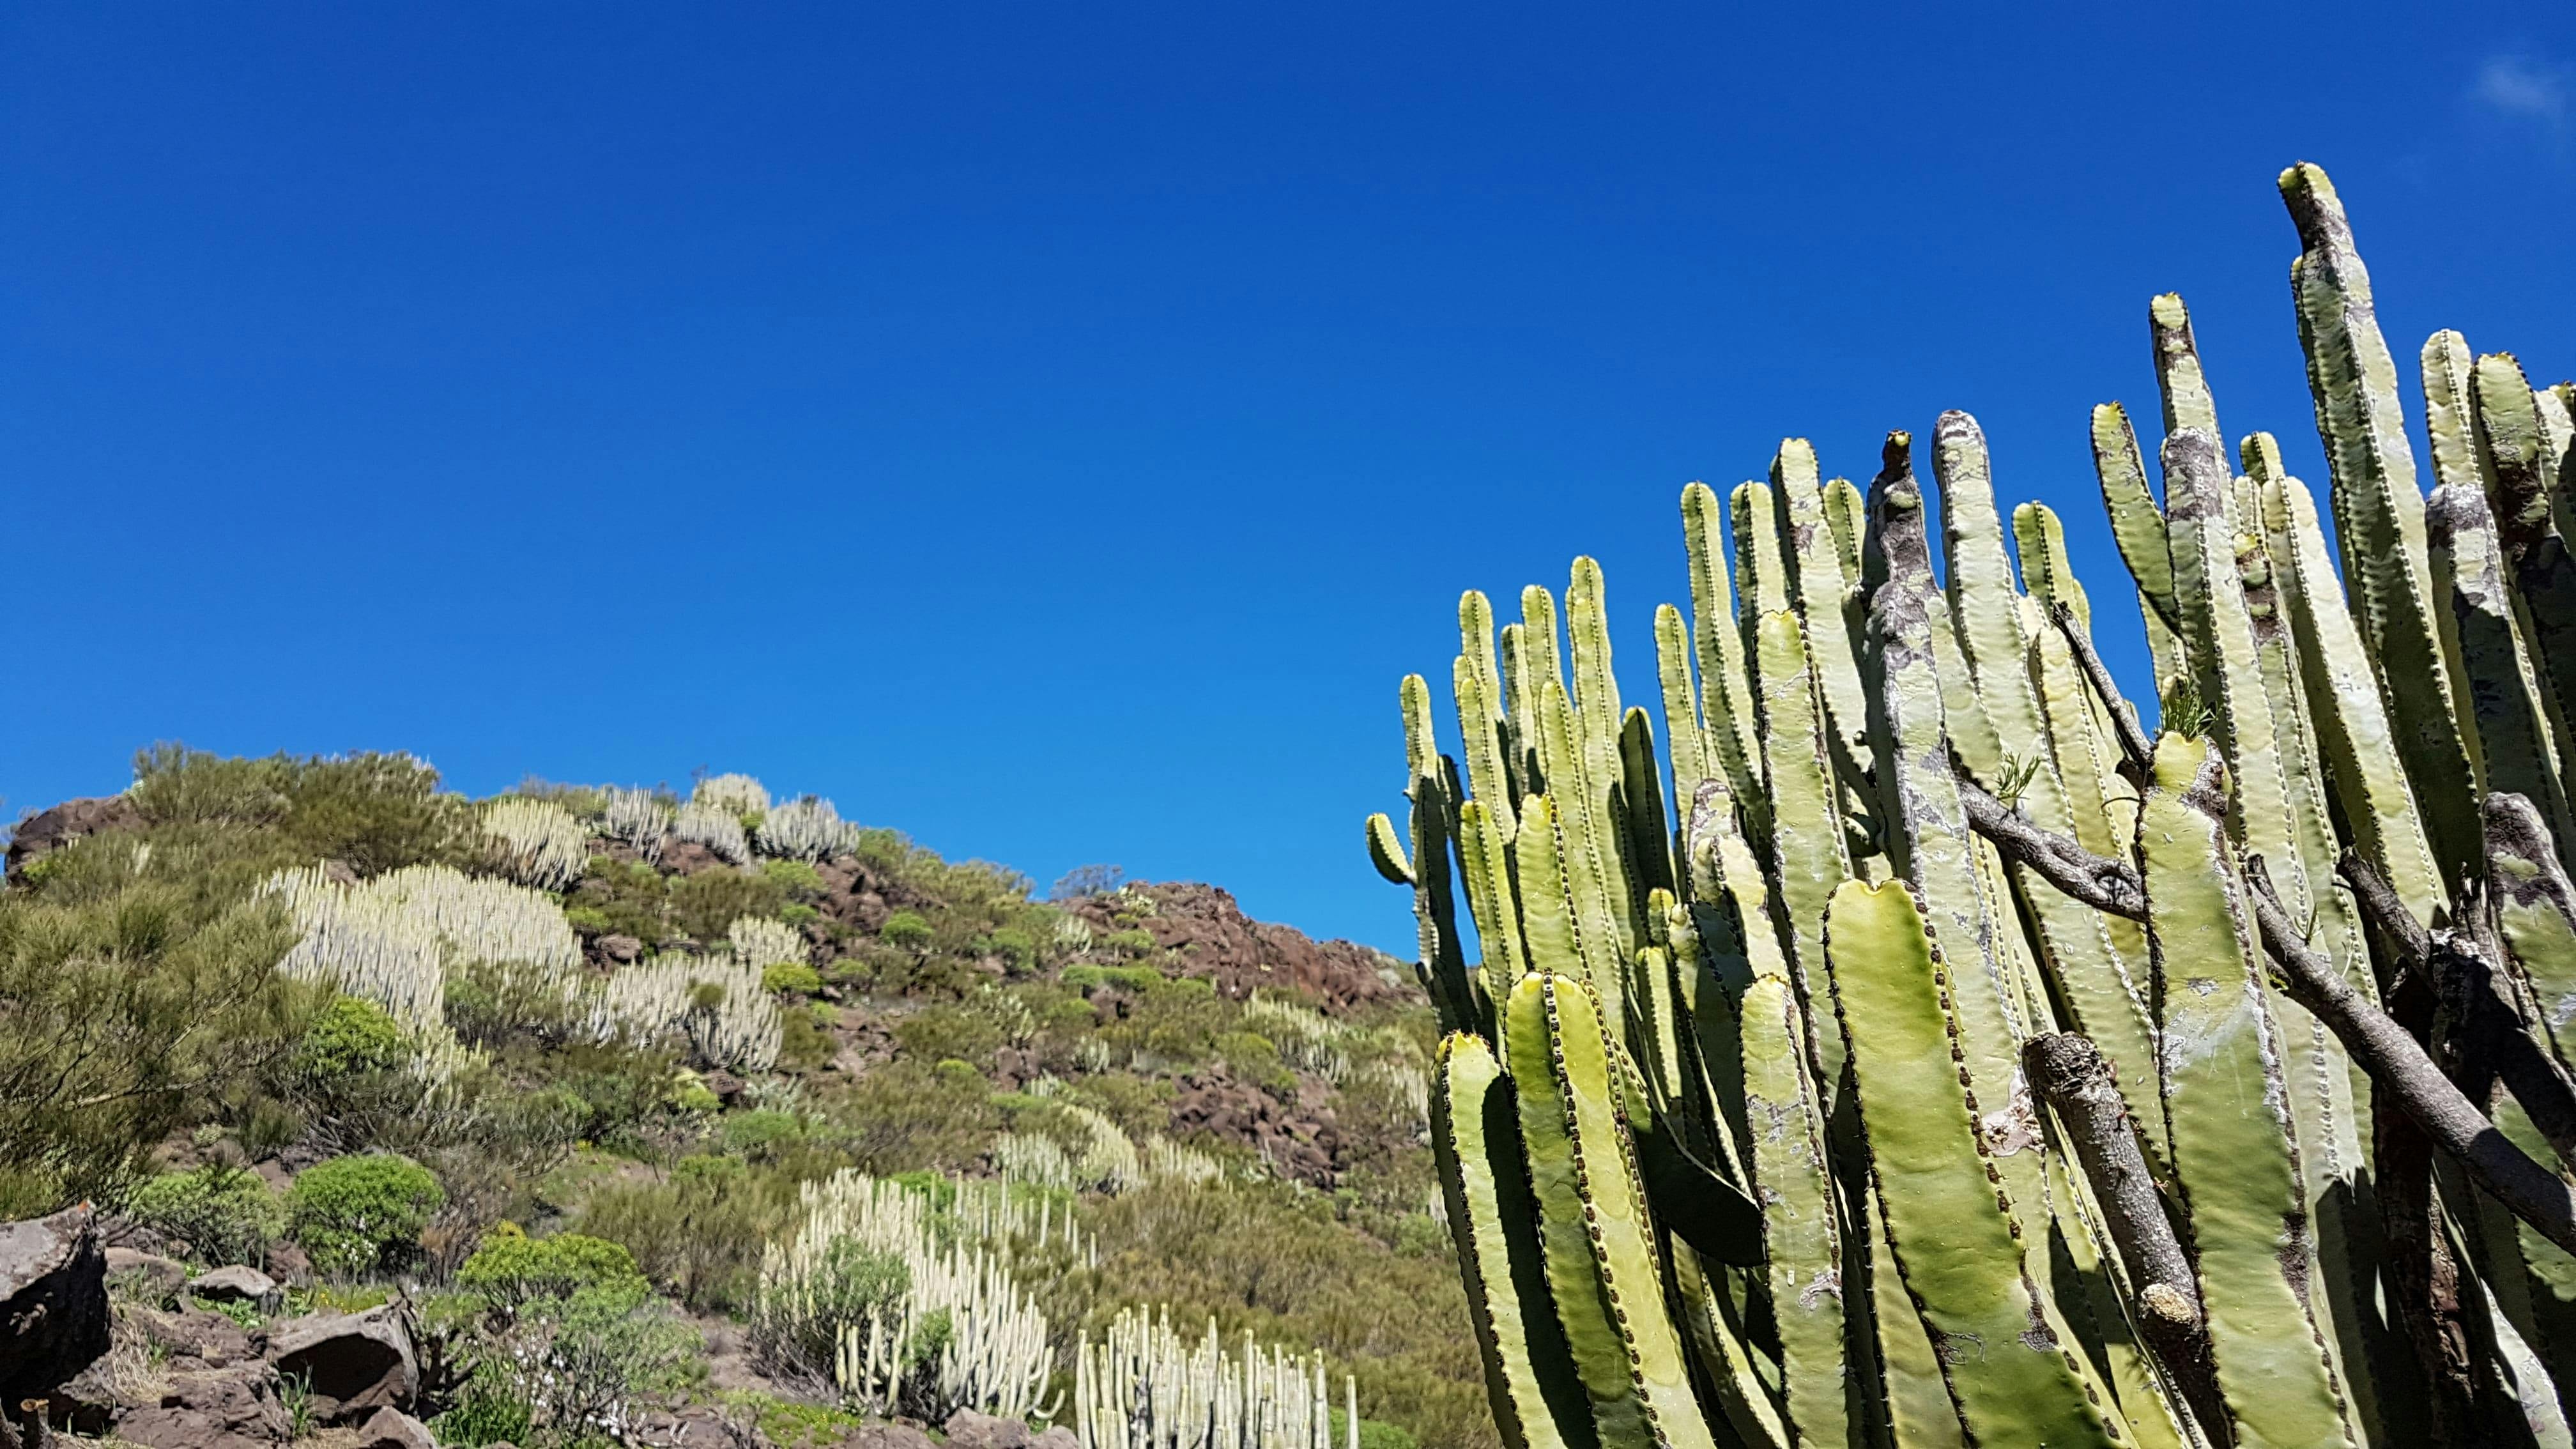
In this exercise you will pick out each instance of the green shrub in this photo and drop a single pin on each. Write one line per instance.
(1374, 1433)
(854, 1283)
(753, 1134)
(950, 1031)
(793, 976)
(905, 930)
(353, 1037)
(698, 1233)
(587, 920)
(703, 906)
(511, 1268)
(354, 1215)
(798, 879)
(1255, 1058)
(799, 916)
(1132, 978)
(1135, 942)
(226, 1214)
(583, 1360)
(487, 1413)
(1017, 948)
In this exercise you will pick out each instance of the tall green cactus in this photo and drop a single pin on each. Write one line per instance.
(1735, 1134)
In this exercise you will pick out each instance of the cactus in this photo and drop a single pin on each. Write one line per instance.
(536, 842)
(1736, 1140)
(735, 795)
(807, 828)
(714, 827)
(1143, 1386)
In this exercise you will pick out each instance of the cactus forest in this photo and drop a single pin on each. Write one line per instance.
(1906, 1048)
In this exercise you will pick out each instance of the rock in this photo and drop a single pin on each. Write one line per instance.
(354, 1362)
(970, 1430)
(886, 1436)
(624, 950)
(727, 1087)
(47, 831)
(230, 1408)
(196, 1337)
(1058, 1437)
(53, 1302)
(390, 1428)
(288, 1263)
(696, 1426)
(239, 1284)
(147, 1276)
(1216, 940)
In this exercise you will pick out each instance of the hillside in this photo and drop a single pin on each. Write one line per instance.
(387, 1045)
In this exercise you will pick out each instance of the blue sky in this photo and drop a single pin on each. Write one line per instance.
(1053, 431)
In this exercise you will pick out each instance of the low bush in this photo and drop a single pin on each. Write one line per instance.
(905, 930)
(511, 1268)
(793, 976)
(356, 1215)
(225, 1214)
(699, 1232)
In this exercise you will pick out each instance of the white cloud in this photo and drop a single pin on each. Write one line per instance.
(2524, 89)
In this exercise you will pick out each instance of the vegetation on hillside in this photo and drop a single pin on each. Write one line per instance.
(570, 1069)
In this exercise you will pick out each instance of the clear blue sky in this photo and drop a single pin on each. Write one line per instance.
(1052, 431)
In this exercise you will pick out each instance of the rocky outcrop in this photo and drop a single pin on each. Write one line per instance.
(1216, 940)
(50, 830)
(393, 1429)
(238, 1284)
(354, 1362)
(967, 1429)
(238, 1407)
(53, 1302)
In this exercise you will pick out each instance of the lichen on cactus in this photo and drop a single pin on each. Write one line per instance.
(1737, 1139)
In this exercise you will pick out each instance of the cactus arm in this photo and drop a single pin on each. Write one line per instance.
(1761, 572)
(2180, 383)
(1538, 1400)
(2379, 510)
(1847, 514)
(1585, 1306)
(1726, 690)
(1483, 711)
(1801, 1248)
(1984, 605)
(2137, 523)
(1563, 1073)
(1487, 861)
(2504, 700)
(1386, 851)
(1596, 688)
(2233, 1158)
(2014, 1375)
(2040, 538)
(2356, 738)
(1435, 904)
(1928, 831)
(2535, 914)
(1807, 859)
(2520, 465)
(1650, 841)
(1820, 589)
(1690, 745)
(1587, 846)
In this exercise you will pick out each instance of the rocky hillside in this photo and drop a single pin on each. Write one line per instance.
(637, 1080)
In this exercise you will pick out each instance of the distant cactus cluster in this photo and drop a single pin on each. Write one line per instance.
(1932, 1056)
(952, 1268)
(638, 818)
(735, 795)
(716, 1002)
(536, 842)
(1143, 1385)
(714, 827)
(806, 829)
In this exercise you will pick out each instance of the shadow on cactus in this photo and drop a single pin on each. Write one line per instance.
(1910, 1049)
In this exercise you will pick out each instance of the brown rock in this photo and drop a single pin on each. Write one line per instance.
(196, 1337)
(239, 1284)
(1056, 1437)
(229, 1408)
(50, 830)
(624, 950)
(1242, 955)
(148, 1276)
(389, 1428)
(354, 1362)
(696, 1426)
(53, 1302)
(886, 1436)
(688, 857)
(968, 1429)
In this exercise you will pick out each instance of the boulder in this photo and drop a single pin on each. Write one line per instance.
(53, 1302)
(228, 1408)
(1058, 1437)
(50, 830)
(194, 1337)
(239, 1284)
(148, 1276)
(886, 1436)
(623, 949)
(968, 1429)
(391, 1428)
(694, 1426)
(354, 1362)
